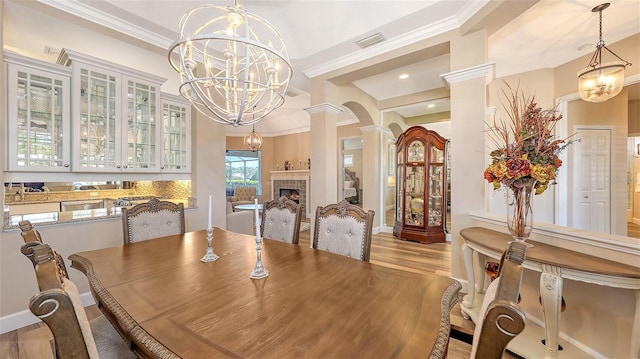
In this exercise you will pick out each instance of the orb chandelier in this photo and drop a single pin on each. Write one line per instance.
(253, 141)
(599, 82)
(233, 64)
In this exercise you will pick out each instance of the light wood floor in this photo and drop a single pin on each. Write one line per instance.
(35, 341)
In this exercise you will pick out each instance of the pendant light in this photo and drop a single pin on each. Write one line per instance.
(232, 63)
(599, 81)
(253, 141)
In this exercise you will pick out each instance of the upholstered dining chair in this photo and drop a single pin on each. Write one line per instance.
(344, 229)
(58, 304)
(281, 220)
(501, 319)
(152, 219)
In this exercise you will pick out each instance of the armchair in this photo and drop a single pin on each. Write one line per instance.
(243, 195)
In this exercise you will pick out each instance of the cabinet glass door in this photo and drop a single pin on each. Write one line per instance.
(175, 147)
(414, 195)
(38, 120)
(141, 127)
(435, 195)
(98, 140)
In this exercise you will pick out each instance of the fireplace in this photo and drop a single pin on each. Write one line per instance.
(294, 185)
(290, 193)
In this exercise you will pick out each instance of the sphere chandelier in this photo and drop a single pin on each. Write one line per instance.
(253, 140)
(599, 82)
(233, 64)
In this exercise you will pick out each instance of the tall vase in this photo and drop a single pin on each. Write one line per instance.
(519, 212)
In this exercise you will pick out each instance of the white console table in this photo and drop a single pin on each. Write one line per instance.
(555, 264)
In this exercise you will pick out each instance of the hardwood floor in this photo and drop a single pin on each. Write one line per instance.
(35, 341)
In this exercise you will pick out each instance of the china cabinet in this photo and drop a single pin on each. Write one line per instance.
(176, 134)
(38, 115)
(116, 116)
(421, 186)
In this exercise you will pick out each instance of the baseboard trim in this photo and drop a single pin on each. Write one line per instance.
(25, 318)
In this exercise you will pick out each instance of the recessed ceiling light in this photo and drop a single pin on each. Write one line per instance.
(431, 105)
(404, 76)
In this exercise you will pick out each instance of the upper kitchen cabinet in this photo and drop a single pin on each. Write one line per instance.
(116, 116)
(176, 134)
(38, 115)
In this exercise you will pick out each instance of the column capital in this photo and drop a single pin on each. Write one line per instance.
(324, 107)
(487, 70)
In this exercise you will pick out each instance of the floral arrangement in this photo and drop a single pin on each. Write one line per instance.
(527, 150)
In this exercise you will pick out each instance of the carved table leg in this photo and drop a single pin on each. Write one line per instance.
(551, 293)
(635, 332)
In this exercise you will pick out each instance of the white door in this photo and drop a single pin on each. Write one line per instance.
(592, 180)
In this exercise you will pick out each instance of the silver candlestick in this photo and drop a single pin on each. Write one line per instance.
(209, 256)
(259, 271)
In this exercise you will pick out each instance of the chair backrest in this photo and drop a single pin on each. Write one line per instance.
(281, 220)
(501, 319)
(59, 305)
(31, 238)
(245, 193)
(344, 229)
(152, 219)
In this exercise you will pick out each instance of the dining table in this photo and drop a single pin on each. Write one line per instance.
(167, 303)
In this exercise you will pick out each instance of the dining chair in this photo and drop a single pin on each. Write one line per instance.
(501, 319)
(344, 229)
(59, 306)
(152, 219)
(281, 220)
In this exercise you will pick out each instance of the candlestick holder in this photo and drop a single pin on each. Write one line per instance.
(209, 256)
(259, 271)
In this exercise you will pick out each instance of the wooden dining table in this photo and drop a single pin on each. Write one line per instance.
(313, 304)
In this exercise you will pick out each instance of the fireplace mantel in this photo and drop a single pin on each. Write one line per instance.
(301, 178)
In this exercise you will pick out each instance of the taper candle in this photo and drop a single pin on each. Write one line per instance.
(255, 200)
(209, 220)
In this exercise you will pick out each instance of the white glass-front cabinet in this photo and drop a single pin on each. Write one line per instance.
(176, 134)
(115, 116)
(38, 115)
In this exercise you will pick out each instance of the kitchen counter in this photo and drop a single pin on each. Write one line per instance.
(57, 217)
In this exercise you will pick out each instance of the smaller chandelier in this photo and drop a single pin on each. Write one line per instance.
(253, 141)
(230, 71)
(599, 82)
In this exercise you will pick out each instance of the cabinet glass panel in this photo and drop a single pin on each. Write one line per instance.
(97, 120)
(435, 195)
(399, 193)
(174, 149)
(415, 152)
(141, 126)
(437, 155)
(414, 192)
(39, 122)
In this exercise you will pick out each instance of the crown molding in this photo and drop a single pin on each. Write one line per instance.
(324, 107)
(488, 71)
(446, 24)
(86, 12)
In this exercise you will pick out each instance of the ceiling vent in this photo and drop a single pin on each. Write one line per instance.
(370, 40)
(51, 51)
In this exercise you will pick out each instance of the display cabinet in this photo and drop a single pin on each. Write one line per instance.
(176, 134)
(116, 116)
(38, 115)
(421, 186)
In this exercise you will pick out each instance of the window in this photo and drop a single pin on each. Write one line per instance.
(348, 160)
(244, 169)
